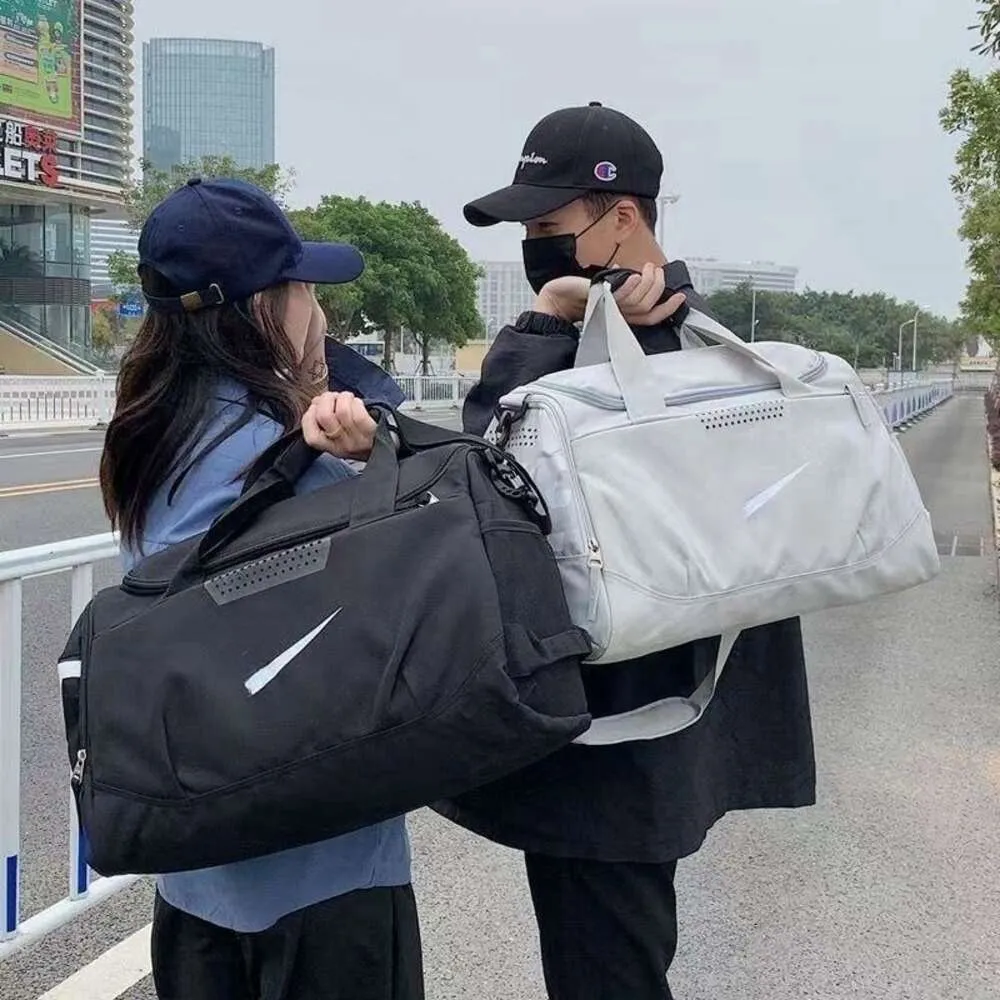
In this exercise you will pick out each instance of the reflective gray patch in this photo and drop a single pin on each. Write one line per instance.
(270, 571)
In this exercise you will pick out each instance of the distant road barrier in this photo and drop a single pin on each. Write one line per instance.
(41, 402)
(902, 406)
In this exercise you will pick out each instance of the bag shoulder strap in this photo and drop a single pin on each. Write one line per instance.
(661, 718)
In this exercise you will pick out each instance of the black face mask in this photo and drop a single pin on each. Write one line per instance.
(549, 257)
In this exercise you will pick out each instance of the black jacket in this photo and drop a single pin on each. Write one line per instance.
(654, 801)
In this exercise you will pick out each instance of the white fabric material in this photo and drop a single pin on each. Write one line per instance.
(707, 490)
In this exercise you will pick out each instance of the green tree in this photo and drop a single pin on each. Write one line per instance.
(862, 329)
(417, 278)
(153, 185)
(988, 27)
(973, 113)
(445, 300)
(102, 332)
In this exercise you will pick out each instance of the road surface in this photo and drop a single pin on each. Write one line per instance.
(886, 890)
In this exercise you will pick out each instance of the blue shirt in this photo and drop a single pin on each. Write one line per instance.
(253, 895)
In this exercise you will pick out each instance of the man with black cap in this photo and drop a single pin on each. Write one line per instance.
(602, 828)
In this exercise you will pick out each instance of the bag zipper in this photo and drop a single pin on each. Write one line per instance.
(608, 401)
(76, 776)
(595, 557)
(595, 561)
(80, 766)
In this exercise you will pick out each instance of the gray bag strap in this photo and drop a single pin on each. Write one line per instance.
(661, 718)
(607, 337)
(709, 329)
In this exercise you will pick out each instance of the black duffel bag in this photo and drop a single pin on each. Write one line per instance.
(317, 663)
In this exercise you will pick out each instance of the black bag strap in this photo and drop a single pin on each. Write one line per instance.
(288, 458)
(415, 435)
(280, 467)
(378, 485)
(273, 476)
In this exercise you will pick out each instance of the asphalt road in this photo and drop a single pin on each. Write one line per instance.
(886, 890)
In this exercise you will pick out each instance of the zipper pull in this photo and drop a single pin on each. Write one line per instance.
(860, 405)
(594, 557)
(76, 777)
(596, 563)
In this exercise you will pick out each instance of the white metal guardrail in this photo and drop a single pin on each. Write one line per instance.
(78, 557)
(901, 406)
(29, 401)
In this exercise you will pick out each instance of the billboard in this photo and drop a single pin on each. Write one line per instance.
(41, 63)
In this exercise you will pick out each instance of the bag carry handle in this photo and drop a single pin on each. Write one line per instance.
(606, 336)
(661, 718)
(273, 476)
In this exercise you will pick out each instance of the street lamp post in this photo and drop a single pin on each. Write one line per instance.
(664, 201)
(899, 353)
(753, 315)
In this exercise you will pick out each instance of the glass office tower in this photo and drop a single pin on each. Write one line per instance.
(207, 97)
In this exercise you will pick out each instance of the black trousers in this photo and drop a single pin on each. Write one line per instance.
(361, 946)
(608, 930)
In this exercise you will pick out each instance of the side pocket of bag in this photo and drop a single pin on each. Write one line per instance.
(544, 648)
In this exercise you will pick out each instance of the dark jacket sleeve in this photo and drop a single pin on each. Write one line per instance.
(350, 372)
(538, 345)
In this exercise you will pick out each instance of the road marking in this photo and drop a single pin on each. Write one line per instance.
(46, 454)
(111, 974)
(37, 489)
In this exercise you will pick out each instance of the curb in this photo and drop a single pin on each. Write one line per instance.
(995, 497)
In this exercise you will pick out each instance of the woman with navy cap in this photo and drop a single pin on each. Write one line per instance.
(232, 355)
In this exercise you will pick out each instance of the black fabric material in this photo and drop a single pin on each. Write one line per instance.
(440, 656)
(351, 372)
(361, 946)
(654, 801)
(606, 931)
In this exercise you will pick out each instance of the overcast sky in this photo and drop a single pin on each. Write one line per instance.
(799, 131)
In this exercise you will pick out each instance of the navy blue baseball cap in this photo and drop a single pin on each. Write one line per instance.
(222, 241)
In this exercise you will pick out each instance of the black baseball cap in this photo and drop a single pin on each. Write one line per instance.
(224, 240)
(569, 153)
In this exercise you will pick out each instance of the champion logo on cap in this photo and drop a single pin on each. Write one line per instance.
(606, 171)
(533, 159)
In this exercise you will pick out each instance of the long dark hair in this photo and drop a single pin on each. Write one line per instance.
(167, 389)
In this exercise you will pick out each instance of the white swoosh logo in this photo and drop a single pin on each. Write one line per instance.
(754, 504)
(258, 681)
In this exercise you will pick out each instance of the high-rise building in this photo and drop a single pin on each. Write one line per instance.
(502, 293)
(207, 97)
(65, 153)
(709, 275)
(108, 235)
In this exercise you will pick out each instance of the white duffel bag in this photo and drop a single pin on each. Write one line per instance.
(700, 492)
